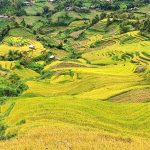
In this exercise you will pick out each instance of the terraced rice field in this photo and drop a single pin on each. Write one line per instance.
(74, 75)
(97, 101)
(86, 123)
(20, 44)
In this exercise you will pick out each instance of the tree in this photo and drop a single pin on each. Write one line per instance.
(20, 12)
(95, 20)
(108, 22)
(45, 10)
(124, 28)
(146, 26)
(14, 78)
(23, 23)
(13, 55)
(103, 15)
(79, 3)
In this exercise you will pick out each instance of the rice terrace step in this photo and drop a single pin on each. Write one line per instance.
(74, 75)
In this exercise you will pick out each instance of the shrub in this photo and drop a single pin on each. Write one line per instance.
(46, 74)
(103, 15)
(32, 65)
(115, 58)
(7, 91)
(17, 65)
(96, 44)
(126, 39)
(20, 12)
(21, 122)
(44, 57)
(11, 86)
(3, 100)
(124, 28)
(95, 20)
(13, 55)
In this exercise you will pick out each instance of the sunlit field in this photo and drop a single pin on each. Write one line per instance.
(69, 82)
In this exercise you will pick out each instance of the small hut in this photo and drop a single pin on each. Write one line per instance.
(31, 46)
(52, 57)
(4, 17)
(28, 3)
(51, 1)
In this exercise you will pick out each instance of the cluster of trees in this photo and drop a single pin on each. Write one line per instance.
(61, 4)
(12, 7)
(118, 4)
(127, 21)
(97, 18)
(16, 6)
(145, 27)
(103, 4)
(11, 86)
(4, 32)
(6, 26)
(12, 55)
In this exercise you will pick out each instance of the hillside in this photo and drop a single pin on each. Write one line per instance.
(74, 75)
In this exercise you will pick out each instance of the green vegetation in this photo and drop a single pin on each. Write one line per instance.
(12, 86)
(74, 74)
